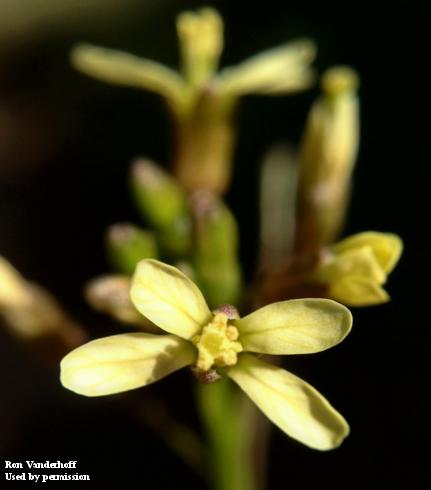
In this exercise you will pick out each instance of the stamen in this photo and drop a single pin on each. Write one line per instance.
(217, 344)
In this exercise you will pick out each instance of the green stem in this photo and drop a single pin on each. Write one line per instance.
(179, 437)
(228, 420)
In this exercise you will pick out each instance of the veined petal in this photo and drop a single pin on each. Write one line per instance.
(119, 68)
(290, 403)
(356, 262)
(278, 70)
(123, 362)
(357, 291)
(387, 247)
(169, 299)
(300, 326)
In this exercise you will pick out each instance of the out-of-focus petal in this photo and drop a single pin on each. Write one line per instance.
(13, 290)
(119, 68)
(279, 70)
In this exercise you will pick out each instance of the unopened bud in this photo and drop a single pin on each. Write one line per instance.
(13, 291)
(109, 294)
(163, 204)
(158, 196)
(127, 244)
(328, 154)
(35, 317)
(215, 254)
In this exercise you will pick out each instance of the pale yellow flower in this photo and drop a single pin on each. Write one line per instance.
(201, 99)
(280, 70)
(207, 341)
(356, 268)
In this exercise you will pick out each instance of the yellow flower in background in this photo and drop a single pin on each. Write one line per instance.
(277, 71)
(202, 100)
(30, 311)
(221, 341)
(357, 267)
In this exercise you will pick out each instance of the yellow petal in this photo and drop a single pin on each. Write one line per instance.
(169, 299)
(387, 247)
(13, 289)
(119, 68)
(358, 291)
(299, 78)
(300, 326)
(123, 362)
(290, 403)
(356, 262)
(278, 70)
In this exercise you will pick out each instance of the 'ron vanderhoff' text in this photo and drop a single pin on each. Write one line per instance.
(36, 464)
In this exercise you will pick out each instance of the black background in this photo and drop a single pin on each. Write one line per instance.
(63, 172)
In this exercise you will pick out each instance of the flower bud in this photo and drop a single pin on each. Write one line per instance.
(215, 253)
(110, 294)
(327, 157)
(34, 316)
(127, 244)
(201, 43)
(163, 203)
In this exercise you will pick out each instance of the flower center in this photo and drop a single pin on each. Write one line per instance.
(217, 344)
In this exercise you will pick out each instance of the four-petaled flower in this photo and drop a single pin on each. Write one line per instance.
(202, 100)
(206, 340)
(356, 268)
(281, 70)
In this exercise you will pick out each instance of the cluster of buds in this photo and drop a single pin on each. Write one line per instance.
(195, 230)
(313, 189)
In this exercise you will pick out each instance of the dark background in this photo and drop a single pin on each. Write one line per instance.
(65, 145)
